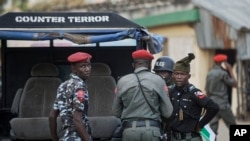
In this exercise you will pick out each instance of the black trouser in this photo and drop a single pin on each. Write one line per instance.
(184, 136)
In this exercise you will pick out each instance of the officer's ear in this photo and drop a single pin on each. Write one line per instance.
(133, 65)
(73, 67)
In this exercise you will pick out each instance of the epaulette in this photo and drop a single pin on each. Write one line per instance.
(193, 89)
(119, 77)
(197, 92)
(171, 86)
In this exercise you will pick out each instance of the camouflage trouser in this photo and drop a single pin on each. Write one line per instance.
(70, 134)
(72, 138)
(148, 133)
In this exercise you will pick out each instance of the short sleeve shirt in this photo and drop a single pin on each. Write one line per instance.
(72, 95)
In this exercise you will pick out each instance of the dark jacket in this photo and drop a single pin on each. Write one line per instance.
(190, 101)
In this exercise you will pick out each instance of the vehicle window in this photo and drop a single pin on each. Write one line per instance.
(66, 43)
(121, 43)
(44, 43)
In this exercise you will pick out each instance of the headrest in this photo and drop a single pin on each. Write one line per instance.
(44, 69)
(100, 69)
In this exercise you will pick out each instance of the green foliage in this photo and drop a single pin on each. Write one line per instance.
(20, 4)
(2, 3)
(16, 5)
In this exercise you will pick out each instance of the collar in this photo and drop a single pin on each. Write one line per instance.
(74, 76)
(185, 88)
(141, 69)
(217, 67)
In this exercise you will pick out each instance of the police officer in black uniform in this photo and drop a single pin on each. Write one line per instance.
(188, 101)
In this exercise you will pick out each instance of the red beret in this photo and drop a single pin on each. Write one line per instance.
(220, 58)
(79, 57)
(142, 54)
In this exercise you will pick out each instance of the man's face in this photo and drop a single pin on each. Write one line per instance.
(82, 69)
(180, 78)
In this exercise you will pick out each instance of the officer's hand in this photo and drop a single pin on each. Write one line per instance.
(198, 129)
(228, 66)
(90, 138)
(55, 139)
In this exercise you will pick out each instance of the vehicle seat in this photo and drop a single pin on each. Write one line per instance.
(101, 86)
(35, 103)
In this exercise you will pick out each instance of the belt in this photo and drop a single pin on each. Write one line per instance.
(140, 123)
(181, 136)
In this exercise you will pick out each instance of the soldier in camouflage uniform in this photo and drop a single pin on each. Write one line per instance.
(71, 102)
(141, 100)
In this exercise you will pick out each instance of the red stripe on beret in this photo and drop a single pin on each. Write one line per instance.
(220, 58)
(79, 57)
(142, 54)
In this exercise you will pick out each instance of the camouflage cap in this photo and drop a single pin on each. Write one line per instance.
(184, 63)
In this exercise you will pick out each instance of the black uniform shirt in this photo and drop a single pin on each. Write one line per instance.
(190, 101)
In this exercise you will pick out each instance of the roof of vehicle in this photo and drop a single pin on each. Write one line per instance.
(78, 27)
(64, 20)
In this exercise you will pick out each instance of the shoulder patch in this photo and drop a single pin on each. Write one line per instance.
(115, 90)
(166, 89)
(199, 94)
(81, 95)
